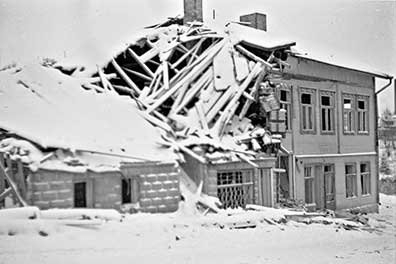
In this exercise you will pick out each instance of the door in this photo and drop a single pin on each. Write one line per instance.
(80, 194)
(329, 186)
(324, 187)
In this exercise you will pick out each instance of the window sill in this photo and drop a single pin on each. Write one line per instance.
(366, 195)
(366, 133)
(352, 197)
(330, 133)
(308, 132)
(349, 133)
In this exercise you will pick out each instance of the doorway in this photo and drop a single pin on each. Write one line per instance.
(80, 194)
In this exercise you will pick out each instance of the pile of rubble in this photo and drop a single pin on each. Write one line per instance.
(215, 96)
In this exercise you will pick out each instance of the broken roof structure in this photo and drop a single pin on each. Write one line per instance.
(55, 123)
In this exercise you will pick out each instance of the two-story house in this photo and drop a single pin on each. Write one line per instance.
(331, 135)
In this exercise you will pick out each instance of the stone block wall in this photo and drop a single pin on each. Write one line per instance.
(50, 189)
(106, 190)
(159, 192)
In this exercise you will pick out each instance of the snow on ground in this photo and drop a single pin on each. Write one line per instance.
(177, 238)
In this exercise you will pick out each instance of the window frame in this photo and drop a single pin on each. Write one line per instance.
(311, 91)
(330, 108)
(365, 174)
(351, 111)
(365, 111)
(326, 175)
(354, 180)
(287, 105)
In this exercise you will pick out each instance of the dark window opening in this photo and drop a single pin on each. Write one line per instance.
(283, 95)
(306, 98)
(80, 194)
(325, 100)
(361, 105)
(347, 104)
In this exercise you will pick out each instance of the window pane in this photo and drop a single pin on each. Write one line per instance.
(304, 116)
(361, 104)
(306, 98)
(325, 100)
(310, 117)
(324, 119)
(329, 120)
(283, 96)
(347, 104)
(363, 167)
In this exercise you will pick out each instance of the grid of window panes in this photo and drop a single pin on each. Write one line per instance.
(235, 188)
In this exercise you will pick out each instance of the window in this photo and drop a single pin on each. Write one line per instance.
(349, 114)
(329, 177)
(365, 177)
(327, 112)
(362, 112)
(285, 103)
(235, 188)
(309, 184)
(350, 180)
(307, 100)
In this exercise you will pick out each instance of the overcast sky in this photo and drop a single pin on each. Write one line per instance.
(352, 32)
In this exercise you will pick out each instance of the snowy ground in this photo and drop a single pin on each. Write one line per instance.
(172, 238)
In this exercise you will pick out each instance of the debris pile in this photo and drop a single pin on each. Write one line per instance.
(214, 95)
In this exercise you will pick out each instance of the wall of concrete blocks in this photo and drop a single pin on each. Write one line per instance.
(50, 189)
(55, 189)
(159, 192)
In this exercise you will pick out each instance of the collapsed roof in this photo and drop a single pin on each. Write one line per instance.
(50, 121)
(211, 92)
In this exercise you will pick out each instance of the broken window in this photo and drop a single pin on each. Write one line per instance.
(309, 184)
(285, 103)
(350, 180)
(349, 114)
(307, 113)
(235, 188)
(365, 177)
(327, 112)
(362, 112)
(329, 177)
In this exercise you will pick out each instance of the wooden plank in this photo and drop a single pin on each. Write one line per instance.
(253, 93)
(165, 75)
(20, 178)
(196, 71)
(202, 118)
(141, 63)
(12, 185)
(5, 193)
(138, 74)
(2, 179)
(252, 56)
(198, 85)
(149, 55)
(125, 77)
(228, 110)
(223, 70)
(219, 104)
(185, 55)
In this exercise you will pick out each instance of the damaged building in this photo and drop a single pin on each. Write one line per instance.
(245, 116)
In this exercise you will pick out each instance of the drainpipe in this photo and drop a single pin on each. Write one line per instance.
(376, 131)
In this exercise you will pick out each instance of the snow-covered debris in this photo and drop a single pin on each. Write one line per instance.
(30, 212)
(52, 110)
(104, 214)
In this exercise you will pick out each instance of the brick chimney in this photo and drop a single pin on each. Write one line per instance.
(192, 11)
(256, 20)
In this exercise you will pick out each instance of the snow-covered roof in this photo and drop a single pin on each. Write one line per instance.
(359, 68)
(257, 38)
(52, 110)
